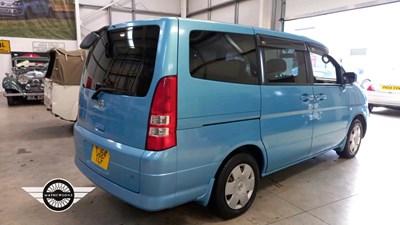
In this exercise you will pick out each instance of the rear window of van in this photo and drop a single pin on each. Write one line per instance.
(123, 60)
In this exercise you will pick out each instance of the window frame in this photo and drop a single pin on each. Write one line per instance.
(265, 41)
(320, 50)
(137, 88)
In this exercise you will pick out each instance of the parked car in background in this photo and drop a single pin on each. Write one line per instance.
(383, 90)
(61, 83)
(26, 9)
(26, 79)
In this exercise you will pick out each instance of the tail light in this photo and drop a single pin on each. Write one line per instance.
(371, 88)
(161, 133)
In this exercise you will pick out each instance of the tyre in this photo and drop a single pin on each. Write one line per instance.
(51, 13)
(10, 101)
(236, 186)
(28, 14)
(370, 107)
(353, 140)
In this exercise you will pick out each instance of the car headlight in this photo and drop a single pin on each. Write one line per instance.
(23, 79)
(17, 3)
(35, 74)
(39, 74)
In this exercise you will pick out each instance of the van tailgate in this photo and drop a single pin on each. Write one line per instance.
(120, 118)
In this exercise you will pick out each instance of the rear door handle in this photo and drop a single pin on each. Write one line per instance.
(306, 97)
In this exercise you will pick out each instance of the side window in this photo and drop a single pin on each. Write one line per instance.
(226, 57)
(324, 73)
(285, 66)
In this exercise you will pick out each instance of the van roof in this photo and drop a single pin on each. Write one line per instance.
(258, 30)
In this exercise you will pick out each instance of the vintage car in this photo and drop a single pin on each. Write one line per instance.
(26, 9)
(61, 83)
(26, 79)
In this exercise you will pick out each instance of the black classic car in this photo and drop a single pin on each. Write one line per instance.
(26, 79)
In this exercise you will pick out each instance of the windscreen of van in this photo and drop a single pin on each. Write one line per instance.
(123, 60)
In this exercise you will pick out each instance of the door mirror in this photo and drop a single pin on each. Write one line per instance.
(349, 77)
(89, 40)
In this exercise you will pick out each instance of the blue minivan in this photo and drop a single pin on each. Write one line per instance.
(177, 110)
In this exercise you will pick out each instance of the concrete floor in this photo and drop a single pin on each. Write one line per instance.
(36, 147)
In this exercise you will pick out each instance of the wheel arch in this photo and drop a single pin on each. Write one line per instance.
(250, 149)
(26, 10)
(11, 85)
(363, 121)
(212, 201)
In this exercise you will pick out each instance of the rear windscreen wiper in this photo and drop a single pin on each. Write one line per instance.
(95, 96)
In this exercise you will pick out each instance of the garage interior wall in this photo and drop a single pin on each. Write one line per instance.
(296, 9)
(261, 13)
(95, 14)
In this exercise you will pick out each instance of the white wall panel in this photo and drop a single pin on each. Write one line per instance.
(267, 15)
(306, 8)
(94, 22)
(120, 17)
(249, 12)
(124, 4)
(201, 16)
(195, 5)
(145, 16)
(225, 14)
(217, 2)
(95, 2)
(259, 13)
(170, 6)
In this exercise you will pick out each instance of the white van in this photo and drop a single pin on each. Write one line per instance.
(61, 83)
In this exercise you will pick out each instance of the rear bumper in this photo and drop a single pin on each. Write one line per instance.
(144, 179)
(23, 94)
(383, 99)
(139, 200)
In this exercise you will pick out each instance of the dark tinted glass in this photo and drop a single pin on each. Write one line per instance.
(224, 57)
(123, 60)
(285, 66)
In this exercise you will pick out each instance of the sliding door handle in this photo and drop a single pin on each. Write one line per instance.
(321, 97)
(306, 97)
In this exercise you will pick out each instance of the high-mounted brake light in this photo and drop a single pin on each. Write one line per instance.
(370, 88)
(161, 133)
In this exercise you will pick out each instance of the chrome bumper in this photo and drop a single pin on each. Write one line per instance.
(22, 94)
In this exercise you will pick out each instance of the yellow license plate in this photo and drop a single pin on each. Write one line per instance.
(100, 157)
(390, 88)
